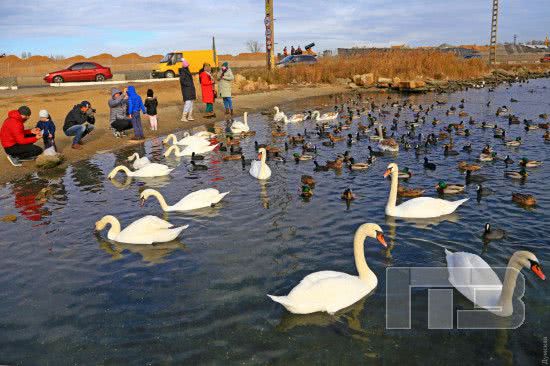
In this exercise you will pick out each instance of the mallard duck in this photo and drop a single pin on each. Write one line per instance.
(306, 192)
(522, 174)
(513, 143)
(449, 152)
(335, 164)
(320, 168)
(231, 141)
(374, 152)
(490, 233)
(409, 192)
(486, 125)
(508, 160)
(487, 157)
(357, 166)
(335, 138)
(307, 179)
(467, 148)
(483, 191)
(474, 178)
(546, 136)
(444, 188)
(428, 165)
(298, 139)
(278, 133)
(529, 163)
(462, 165)
(524, 199)
(348, 195)
(232, 157)
(404, 174)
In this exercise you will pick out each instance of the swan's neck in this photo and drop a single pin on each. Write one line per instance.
(365, 273)
(380, 133)
(114, 230)
(173, 138)
(392, 199)
(174, 148)
(245, 119)
(121, 168)
(161, 200)
(262, 164)
(133, 157)
(509, 285)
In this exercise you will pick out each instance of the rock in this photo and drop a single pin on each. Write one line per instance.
(411, 84)
(367, 79)
(353, 85)
(49, 161)
(357, 80)
(273, 86)
(8, 218)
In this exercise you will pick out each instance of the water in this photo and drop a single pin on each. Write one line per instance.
(71, 297)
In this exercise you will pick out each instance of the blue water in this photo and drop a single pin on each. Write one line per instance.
(70, 296)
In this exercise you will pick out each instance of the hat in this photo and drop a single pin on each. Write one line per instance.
(185, 63)
(225, 64)
(24, 110)
(85, 103)
(43, 113)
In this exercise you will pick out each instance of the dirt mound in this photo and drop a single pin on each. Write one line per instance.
(10, 58)
(102, 57)
(35, 60)
(243, 57)
(76, 58)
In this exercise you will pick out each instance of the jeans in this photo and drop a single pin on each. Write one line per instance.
(23, 151)
(79, 131)
(121, 124)
(228, 103)
(136, 122)
(188, 106)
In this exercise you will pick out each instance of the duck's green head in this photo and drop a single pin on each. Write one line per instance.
(442, 184)
(306, 189)
(406, 170)
(525, 160)
(296, 155)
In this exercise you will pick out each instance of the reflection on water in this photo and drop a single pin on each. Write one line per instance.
(70, 297)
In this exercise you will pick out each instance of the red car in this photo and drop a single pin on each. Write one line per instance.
(546, 58)
(81, 71)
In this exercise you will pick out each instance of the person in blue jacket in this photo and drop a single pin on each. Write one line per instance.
(47, 126)
(135, 107)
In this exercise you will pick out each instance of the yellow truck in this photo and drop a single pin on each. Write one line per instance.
(170, 64)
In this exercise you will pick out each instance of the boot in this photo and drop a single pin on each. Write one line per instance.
(184, 117)
(190, 116)
(227, 115)
(231, 114)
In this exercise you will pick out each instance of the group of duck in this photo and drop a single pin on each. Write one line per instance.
(331, 291)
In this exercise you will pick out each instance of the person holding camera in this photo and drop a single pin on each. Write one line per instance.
(225, 80)
(17, 141)
(79, 122)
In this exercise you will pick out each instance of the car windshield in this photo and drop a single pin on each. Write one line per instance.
(166, 57)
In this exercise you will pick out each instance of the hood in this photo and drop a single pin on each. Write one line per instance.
(115, 91)
(15, 115)
(131, 90)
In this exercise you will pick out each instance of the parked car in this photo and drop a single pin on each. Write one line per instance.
(297, 59)
(80, 71)
(545, 58)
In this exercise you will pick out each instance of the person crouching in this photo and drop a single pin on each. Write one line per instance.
(79, 122)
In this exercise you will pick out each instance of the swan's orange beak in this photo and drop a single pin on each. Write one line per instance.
(387, 172)
(381, 239)
(260, 156)
(538, 271)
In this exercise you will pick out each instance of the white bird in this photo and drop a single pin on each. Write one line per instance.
(148, 171)
(195, 200)
(139, 162)
(238, 126)
(189, 150)
(331, 291)
(187, 139)
(258, 168)
(476, 280)
(279, 115)
(295, 118)
(329, 116)
(147, 230)
(421, 207)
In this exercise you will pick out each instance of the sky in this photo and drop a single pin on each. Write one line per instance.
(61, 27)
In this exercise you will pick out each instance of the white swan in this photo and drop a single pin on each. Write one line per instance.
(189, 150)
(279, 115)
(149, 170)
(476, 280)
(138, 162)
(195, 200)
(329, 116)
(331, 291)
(421, 207)
(147, 230)
(238, 126)
(187, 139)
(295, 118)
(258, 168)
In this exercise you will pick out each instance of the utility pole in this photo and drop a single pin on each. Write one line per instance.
(269, 35)
(493, 42)
(515, 39)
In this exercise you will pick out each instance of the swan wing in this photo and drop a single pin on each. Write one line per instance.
(141, 162)
(153, 170)
(255, 168)
(153, 235)
(426, 207)
(199, 199)
(148, 223)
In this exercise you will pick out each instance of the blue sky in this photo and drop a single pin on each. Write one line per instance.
(154, 27)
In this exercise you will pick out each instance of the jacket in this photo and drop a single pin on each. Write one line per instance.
(47, 126)
(225, 81)
(151, 105)
(135, 104)
(187, 86)
(117, 106)
(76, 117)
(13, 131)
(207, 87)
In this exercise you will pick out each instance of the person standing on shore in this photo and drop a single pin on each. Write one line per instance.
(207, 88)
(135, 107)
(47, 126)
(285, 52)
(151, 104)
(79, 122)
(225, 78)
(118, 115)
(188, 92)
(16, 140)
(292, 50)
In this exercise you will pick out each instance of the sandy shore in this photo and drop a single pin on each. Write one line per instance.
(58, 103)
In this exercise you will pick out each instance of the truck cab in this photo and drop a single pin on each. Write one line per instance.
(171, 63)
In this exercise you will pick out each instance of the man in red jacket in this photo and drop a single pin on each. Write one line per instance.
(18, 141)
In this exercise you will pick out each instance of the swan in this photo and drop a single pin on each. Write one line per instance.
(469, 273)
(258, 168)
(329, 116)
(421, 207)
(147, 230)
(279, 115)
(139, 162)
(189, 150)
(330, 291)
(187, 139)
(148, 171)
(295, 118)
(195, 200)
(238, 126)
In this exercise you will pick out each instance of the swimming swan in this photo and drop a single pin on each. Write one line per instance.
(238, 126)
(189, 150)
(195, 200)
(148, 171)
(421, 207)
(331, 291)
(147, 230)
(199, 139)
(329, 116)
(279, 115)
(138, 162)
(258, 168)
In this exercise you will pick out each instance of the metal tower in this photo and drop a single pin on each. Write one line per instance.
(493, 43)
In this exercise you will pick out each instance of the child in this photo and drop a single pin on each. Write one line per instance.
(135, 106)
(151, 104)
(47, 126)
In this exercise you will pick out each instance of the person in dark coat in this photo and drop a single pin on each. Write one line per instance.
(188, 92)
(47, 126)
(118, 115)
(151, 104)
(79, 122)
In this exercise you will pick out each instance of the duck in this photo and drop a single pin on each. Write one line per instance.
(428, 165)
(240, 127)
(320, 168)
(513, 143)
(329, 116)
(508, 160)
(258, 168)
(138, 162)
(462, 165)
(530, 163)
(449, 152)
(388, 145)
(522, 174)
(232, 157)
(421, 207)
(302, 157)
(330, 291)
(357, 166)
(279, 115)
(193, 201)
(487, 157)
(295, 118)
(146, 230)
(308, 179)
(187, 139)
(278, 132)
(306, 191)
(189, 150)
(483, 191)
(490, 233)
(467, 148)
(471, 275)
(195, 166)
(409, 192)
(335, 164)
(404, 174)
(347, 195)
(374, 152)
(298, 139)
(148, 171)
(524, 199)
(444, 188)
(474, 178)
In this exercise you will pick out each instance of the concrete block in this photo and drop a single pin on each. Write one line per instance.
(30, 81)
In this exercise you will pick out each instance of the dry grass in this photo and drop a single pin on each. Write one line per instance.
(405, 64)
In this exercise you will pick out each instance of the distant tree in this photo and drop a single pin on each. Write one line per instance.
(254, 46)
